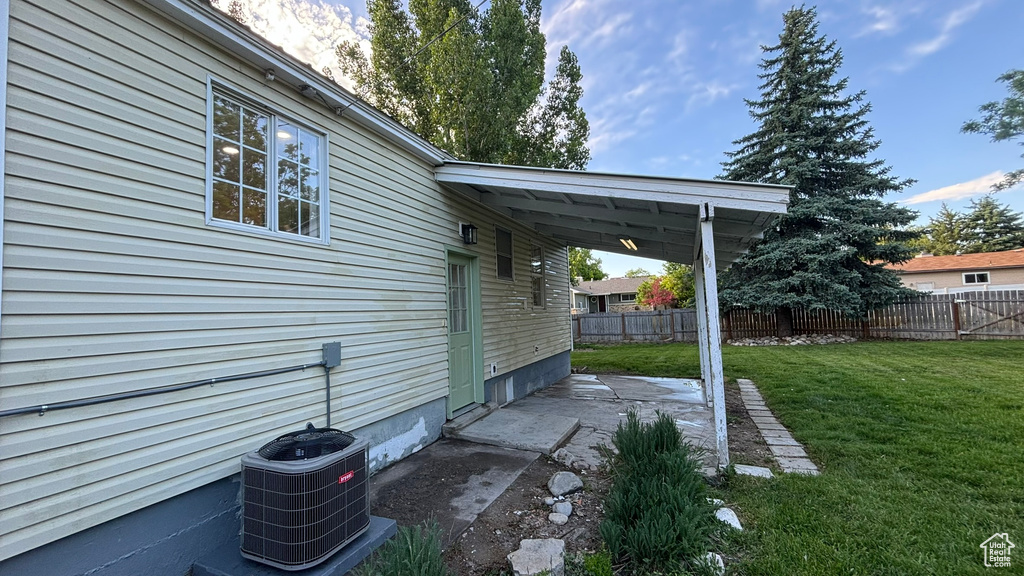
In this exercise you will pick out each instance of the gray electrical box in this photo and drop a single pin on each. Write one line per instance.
(332, 354)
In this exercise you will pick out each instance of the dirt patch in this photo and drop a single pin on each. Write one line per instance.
(520, 513)
(746, 446)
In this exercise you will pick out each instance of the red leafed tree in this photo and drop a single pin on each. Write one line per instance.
(652, 293)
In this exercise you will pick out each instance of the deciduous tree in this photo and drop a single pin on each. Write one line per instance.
(583, 265)
(1003, 121)
(472, 83)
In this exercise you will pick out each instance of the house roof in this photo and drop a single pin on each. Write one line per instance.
(980, 261)
(611, 286)
(658, 216)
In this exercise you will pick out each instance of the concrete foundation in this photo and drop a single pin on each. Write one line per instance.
(528, 379)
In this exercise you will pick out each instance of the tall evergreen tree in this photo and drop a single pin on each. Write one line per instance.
(945, 234)
(472, 83)
(830, 250)
(992, 227)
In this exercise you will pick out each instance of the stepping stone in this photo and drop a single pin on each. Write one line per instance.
(729, 517)
(760, 413)
(786, 440)
(794, 464)
(764, 420)
(557, 519)
(789, 451)
(537, 556)
(767, 426)
(756, 471)
(776, 434)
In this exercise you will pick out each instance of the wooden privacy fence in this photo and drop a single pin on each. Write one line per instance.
(971, 315)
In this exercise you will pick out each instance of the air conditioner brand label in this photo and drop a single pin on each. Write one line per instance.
(346, 477)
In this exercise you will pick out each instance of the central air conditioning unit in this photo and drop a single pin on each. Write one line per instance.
(305, 496)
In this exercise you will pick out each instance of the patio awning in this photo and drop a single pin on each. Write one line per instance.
(598, 210)
(708, 223)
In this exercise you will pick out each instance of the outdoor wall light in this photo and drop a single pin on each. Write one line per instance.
(468, 232)
(627, 242)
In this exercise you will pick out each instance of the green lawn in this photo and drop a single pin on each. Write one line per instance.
(921, 446)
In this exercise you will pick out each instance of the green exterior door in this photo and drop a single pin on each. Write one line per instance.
(463, 322)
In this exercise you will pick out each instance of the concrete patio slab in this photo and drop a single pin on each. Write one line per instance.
(520, 429)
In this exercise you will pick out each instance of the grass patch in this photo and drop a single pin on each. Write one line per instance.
(921, 446)
(414, 551)
(657, 517)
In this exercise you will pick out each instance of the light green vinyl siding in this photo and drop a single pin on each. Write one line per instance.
(113, 282)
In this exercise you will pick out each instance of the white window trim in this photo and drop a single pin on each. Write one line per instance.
(987, 274)
(511, 255)
(325, 188)
(622, 298)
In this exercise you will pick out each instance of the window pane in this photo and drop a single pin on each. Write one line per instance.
(503, 241)
(504, 267)
(538, 290)
(225, 201)
(310, 219)
(310, 150)
(287, 214)
(983, 277)
(225, 159)
(254, 207)
(226, 118)
(287, 178)
(287, 141)
(254, 130)
(537, 260)
(310, 185)
(254, 169)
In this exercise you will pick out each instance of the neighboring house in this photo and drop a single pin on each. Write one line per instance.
(189, 214)
(964, 272)
(611, 295)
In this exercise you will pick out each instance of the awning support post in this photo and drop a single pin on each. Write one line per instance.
(706, 285)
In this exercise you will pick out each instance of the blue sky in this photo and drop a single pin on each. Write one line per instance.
(664, 81)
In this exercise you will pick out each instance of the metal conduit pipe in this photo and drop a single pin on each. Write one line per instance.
(44, 408)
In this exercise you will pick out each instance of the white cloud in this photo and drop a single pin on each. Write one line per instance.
(977, 187)
(707, 93)
(309, 30)
(884, 21)
(950, 23)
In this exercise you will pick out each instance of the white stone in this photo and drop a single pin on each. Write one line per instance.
(715, 562)
(563, 508)
(550, 501)
(729, 517)
(758, 471)
(564, 483)
(557, 519)
(537, 556)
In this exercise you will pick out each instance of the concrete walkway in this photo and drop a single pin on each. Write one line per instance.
(457, 478)
(585, 409)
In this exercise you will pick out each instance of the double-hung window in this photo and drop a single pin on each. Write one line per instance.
(503, 253)
(537, 281)
(267, 172)
(975, 277)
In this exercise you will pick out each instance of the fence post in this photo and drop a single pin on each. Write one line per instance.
(624, 337)
(865, 333)
(955, 307)
(579, 327)
(728, 325)
(672, 325)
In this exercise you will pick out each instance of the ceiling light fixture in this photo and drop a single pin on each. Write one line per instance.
(627, 242)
